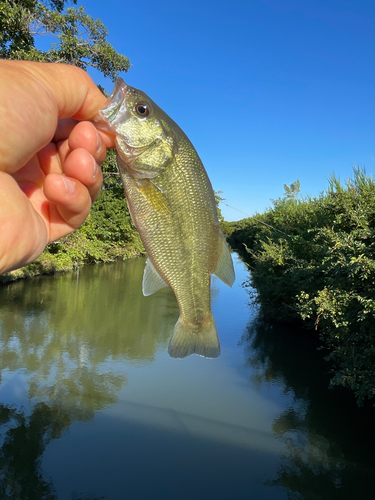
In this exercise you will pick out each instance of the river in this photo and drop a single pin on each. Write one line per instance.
(92, 407)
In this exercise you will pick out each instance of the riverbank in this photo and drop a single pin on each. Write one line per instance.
(107, 234)
(74, 251)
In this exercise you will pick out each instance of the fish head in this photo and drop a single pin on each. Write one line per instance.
(144, 139)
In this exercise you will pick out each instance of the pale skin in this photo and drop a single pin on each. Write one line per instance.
(49, 156)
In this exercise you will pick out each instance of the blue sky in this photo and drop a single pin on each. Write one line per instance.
(268, 91)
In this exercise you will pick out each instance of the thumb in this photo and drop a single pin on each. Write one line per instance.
(34, 96)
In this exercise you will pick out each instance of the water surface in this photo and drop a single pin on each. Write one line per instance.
(92, 406)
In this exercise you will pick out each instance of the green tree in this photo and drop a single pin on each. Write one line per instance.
(225, 227)
(78, 38)
(291, 193)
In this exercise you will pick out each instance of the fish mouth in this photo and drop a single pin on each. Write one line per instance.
(133, 151)
(115, 105)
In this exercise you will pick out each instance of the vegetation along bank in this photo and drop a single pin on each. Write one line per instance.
(317, 266)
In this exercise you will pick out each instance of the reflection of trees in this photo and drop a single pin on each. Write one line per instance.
(103, 313)
(20, 455)
(329, 442)
(24, 441)
(69, 335)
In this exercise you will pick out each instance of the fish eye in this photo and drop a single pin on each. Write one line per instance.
(142, 109)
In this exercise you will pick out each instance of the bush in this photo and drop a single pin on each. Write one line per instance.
(317, 265)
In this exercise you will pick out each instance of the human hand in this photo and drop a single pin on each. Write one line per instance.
(49, 156)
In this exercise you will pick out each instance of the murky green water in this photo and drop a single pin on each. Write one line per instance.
(92, 406)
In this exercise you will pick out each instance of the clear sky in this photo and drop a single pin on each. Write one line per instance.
(268, 91)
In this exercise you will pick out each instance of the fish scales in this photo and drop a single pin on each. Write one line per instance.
(172, 204)
(165, 234)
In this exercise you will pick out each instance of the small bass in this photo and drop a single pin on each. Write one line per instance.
(172, 204)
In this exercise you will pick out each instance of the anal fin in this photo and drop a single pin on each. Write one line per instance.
(152, 281)
(224, 267)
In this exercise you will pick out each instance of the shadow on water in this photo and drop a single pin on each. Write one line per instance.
(329, 443)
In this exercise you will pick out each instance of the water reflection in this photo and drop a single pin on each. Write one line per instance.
(100, 314)
(329, 450)
(24, 441)
(62, 343)
(70, 334)
(90, 398)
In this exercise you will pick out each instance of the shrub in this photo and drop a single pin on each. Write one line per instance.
(317, 265)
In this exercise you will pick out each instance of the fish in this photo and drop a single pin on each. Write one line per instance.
(172, 205)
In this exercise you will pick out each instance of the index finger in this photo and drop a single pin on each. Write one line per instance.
(66, 126)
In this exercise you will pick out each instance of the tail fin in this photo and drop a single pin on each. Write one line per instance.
(194, 339)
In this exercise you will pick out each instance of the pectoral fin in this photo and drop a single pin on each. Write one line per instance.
(224, 267)
(154, 196)
(152, 281)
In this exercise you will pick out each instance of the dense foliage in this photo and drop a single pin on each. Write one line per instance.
(313, 260)
(78, 38)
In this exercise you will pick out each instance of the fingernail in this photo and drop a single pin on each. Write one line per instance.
(98, 142)
(69, 184)
(96, 169)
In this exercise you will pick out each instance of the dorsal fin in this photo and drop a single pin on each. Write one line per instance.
(224, 267)
(152, 281)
